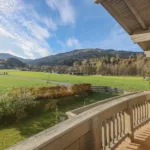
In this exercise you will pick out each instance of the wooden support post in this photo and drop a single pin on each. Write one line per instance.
(96, 133)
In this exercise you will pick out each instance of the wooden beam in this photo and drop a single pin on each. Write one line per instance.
(114, 13)
(147, 53)
(98, 1)
(141, 37)
(136, 13)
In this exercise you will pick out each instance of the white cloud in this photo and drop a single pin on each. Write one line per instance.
(50, 23)
(118, 39)
(4, 32)
(9, 6)
(25, 28)
(65, 9)
(73, 42)
(39, 32)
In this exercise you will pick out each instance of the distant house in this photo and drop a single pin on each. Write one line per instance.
(76, 73)
(25, 69)
(146, 77)
(55, 72)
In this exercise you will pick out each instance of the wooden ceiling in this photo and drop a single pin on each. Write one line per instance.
(134, 17)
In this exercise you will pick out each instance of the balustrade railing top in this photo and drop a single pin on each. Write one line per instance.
(102, 127)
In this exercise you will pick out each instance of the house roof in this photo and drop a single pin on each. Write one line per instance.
(134, 17)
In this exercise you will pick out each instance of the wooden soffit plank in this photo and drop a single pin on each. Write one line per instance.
(147, 53)
(116, 15)
(141, 37)
(137, 15)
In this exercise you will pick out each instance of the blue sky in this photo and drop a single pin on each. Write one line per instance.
(37, 28)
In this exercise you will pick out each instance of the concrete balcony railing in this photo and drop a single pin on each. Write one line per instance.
(80, 110)
(103, 127)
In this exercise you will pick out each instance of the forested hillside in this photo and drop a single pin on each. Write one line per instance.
(69, 58)
(138, 65)
(11, 63)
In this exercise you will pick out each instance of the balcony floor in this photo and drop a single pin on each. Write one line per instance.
(141, 140)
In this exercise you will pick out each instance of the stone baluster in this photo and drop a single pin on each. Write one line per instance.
(141, 112)
(138, 114)
(123, 124)
(117, 123)
(114, 129)
(136, 119)
(121, 121)
(139, 105)
(134, 115)
(146, 110)
(110, 132)
(129, 120)
(143, 115)
(104, 135)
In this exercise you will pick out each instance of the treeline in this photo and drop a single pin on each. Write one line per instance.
(133, 66)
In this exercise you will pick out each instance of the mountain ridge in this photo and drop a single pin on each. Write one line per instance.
(68, 58)
(7, 56)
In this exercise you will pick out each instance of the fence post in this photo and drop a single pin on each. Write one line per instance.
(96, 133)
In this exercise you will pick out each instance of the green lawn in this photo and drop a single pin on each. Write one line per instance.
(10, 135)
(25, 128)
(126, 83)
(8, 82)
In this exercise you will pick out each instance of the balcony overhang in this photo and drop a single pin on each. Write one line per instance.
(133, 16)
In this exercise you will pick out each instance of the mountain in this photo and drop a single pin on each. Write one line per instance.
(11, 63)
(69, 58)
(6, 56)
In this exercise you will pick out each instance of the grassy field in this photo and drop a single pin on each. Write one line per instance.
(8, 82)
(126, 83)
(23, 129)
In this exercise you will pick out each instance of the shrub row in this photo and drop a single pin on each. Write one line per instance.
(52, 92)
(79, 88)
(16, 107)
(23, 102)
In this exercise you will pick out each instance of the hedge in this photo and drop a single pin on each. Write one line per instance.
(23, 102)
(52, 92)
